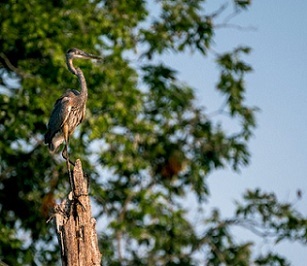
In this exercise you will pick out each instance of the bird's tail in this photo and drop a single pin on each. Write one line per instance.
(54, 141)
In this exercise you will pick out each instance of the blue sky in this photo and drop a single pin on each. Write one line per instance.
(278, 86)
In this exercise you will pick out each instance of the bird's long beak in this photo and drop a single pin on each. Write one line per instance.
(89, 56)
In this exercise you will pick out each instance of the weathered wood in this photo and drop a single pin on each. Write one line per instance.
(75, 226)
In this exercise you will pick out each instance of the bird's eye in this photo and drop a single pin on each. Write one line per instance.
(72, 50)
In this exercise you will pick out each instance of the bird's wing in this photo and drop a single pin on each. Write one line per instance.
(60, 112)
(59, 115)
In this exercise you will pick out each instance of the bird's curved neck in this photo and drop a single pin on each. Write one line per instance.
(78, 72)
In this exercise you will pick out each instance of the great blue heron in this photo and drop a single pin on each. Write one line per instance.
(69, 109)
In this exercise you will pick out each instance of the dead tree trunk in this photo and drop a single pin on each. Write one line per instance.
(75, 226)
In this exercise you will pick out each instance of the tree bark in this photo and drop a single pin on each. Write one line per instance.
(75, 225)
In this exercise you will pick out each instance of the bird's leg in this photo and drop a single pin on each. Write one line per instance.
(66, 157)
(68, 162)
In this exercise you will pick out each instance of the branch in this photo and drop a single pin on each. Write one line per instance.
(225, 23)
(219, 10)
(236, 27)
(13, 68)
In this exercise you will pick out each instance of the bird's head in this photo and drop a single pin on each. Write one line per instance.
(77, 53)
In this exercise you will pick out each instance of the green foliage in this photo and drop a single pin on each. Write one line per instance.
(146, 144)
(272, 259)
(271, 218)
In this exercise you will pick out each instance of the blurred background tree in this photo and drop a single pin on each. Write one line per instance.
(146, 144)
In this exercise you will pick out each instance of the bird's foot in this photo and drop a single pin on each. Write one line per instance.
(77, 201)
